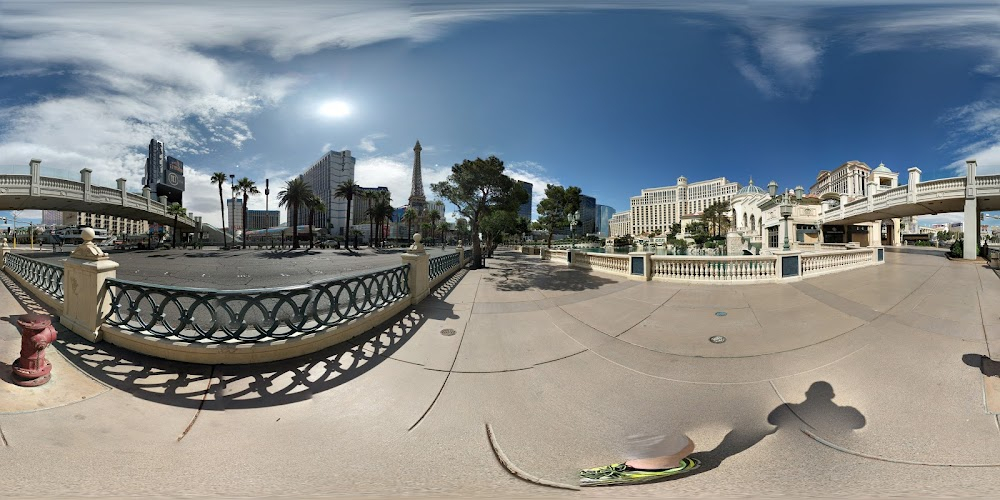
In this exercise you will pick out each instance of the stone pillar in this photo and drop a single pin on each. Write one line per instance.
(121, 187)
(897, 232)
(734, 243)
(911, 184)
(788, 264)
(85, 179)
(461, 254)
(971, 219)
(875, 234)
(418, 278)
(163, 200)
(4, 250)
(35, 167)
(86, 303)
(639, 266)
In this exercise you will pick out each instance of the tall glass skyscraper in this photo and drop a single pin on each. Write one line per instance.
(525, 209)
(323, 177)
(588, 215)
(604, 214)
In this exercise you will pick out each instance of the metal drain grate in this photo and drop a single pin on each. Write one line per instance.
(448, 332)
(721, 313)
(717, 339)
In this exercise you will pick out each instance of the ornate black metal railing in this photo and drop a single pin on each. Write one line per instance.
(47, 277)
(247, 316)
(441, 265)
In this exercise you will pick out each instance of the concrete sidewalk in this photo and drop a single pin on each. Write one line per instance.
(864, 383)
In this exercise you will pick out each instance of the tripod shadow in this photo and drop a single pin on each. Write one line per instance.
(817, 413)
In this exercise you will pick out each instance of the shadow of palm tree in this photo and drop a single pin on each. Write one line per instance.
(817, 413)
(286, 254)
(512, 273)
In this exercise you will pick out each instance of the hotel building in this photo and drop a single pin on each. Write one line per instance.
(658, 208)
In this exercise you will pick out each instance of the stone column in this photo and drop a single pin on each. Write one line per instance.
(163, 200)
(734, 243)
(35, 167)
(911, 184)
(86, 303)
(461, 254)
(85, 179)
(418, 278)
(4, 250)
(788, 265)
(971, 219)
(639, 266)
(121, 187)
(897, 233)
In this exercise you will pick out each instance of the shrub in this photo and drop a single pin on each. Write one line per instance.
(958, 249)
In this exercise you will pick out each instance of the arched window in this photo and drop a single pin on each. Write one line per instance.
(753, 223)
(744, 221)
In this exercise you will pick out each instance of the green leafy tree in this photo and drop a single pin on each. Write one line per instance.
(246, 187)
(176, 210)
(553, 210)
(499, 223)
(675, 229)
(295, 195)
(443, 228)
(462, 229)
(347, 190)
(220, 179)
(698, 231)
(380, 211)
(476, 188)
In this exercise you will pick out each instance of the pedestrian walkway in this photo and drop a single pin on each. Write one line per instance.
(867, 382)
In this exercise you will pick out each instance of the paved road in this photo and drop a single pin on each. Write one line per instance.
(864, 383)
(243, 269)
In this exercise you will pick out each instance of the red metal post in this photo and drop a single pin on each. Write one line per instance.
(32, 369)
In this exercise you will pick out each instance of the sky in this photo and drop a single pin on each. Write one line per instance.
(612, 97)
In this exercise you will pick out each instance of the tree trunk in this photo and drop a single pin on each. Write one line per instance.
(295, 226)
(246, 198)
(175, 231)
(477, 249)
(222, 207)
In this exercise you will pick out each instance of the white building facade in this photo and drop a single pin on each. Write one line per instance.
(655, 209)
(323, 177)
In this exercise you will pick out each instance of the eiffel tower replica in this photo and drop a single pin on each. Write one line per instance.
(417, 200)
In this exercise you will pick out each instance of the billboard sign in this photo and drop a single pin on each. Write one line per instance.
(175, 165)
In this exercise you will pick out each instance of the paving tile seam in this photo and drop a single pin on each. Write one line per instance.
(886, 459)
(201, 404)
(453, 361)
(517, 472)
(3, 437)
(710, 383)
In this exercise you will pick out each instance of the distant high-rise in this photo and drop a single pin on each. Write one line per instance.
(52, 217)
(323, 177)
(164, 174)
(525, 209)
(588, 215)
(361, 204)
(604, 214)
(234, 207)
(417, 200)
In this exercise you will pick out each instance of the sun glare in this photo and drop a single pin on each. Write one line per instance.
(335, 109)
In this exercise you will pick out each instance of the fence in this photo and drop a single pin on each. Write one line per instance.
(226, 326)
(742, 269)
(201, 315)
(46, 278)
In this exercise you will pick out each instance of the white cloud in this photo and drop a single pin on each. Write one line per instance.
(367, 143)
(326, 148)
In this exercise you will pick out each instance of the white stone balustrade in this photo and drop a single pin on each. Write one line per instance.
(743, 269)
(826, 262)
(608, 263)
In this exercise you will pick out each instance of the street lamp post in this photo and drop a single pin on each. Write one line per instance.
(574, 218)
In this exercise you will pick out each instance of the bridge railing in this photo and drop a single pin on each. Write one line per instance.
(248, 316)
(606, 262)
(46, 278)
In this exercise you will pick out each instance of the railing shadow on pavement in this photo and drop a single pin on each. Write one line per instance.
(242, 386)
(515, 275)
(818, 414)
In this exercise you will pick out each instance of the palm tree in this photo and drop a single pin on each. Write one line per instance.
(315, 206)
(220, 179)
(433, 216)
(176, 210)
(369, 199)
(247, 187)
(409, 215)
(444, 227)
(347, 190)
(295, 194)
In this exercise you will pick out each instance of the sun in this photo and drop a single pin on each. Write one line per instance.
(335, 109)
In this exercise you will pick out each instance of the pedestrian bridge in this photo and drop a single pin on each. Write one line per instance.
(34, 191)
(970, 194)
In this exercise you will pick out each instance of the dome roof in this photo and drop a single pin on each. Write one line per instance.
(881, 168)
(750, 189)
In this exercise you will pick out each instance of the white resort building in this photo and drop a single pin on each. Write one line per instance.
(655, 209)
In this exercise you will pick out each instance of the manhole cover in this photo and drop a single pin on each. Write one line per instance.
(718, 339)
(448, 332)
(721, 313)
